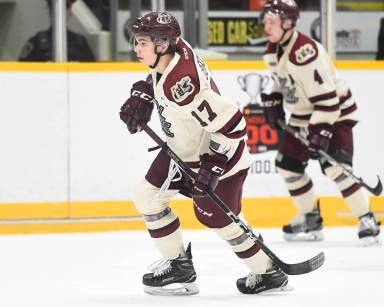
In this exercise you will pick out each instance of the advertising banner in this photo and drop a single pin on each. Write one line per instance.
(243, 32)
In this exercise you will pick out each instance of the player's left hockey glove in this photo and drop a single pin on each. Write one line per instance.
(138, 108)
(211, 168)
(319, 137)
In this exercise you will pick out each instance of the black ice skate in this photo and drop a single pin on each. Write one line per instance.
(305, 227)
(274, 280)
(172, 276)
(369, 229)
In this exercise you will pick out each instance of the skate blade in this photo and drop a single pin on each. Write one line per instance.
(173, 289)
(371, 241)
(286, 287)
(311, 236)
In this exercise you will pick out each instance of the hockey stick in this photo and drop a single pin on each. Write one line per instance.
(290, 269)
(374, 190)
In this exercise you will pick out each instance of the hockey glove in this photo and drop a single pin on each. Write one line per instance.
(211, 168)
(138, 108)
(273, 109)
(319, 137)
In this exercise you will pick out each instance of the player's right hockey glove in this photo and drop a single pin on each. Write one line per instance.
(273, 109)
(319, 137)
(211, 168)
(138, 108)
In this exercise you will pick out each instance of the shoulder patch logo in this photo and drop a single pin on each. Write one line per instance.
(305, 53)
(182, 89)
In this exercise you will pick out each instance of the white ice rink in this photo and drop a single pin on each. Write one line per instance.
(105, 270)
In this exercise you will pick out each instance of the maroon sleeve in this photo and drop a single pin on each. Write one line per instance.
(304, 50)
(182, 83)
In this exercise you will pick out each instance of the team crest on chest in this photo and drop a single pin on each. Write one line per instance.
(182, 89)
(289, 93)
(305, 53)
(165, 125)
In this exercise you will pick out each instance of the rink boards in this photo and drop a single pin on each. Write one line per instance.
(67, 163)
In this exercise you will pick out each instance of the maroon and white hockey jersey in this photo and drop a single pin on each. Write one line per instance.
(307, 79)
(194, 116)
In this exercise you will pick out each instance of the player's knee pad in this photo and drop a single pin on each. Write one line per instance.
(289, 164)
(343, 157)
(148, 199)
(295, 181)
(293, 172)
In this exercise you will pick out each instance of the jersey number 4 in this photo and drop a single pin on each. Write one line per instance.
(204, 106)
(317, 77)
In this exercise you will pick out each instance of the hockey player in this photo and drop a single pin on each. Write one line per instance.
(322, 108)
(206, 131)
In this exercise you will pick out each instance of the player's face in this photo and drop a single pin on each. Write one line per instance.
(272, 27)
(145, 49)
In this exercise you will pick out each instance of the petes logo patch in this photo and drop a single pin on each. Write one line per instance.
(182, 89)
(305, 53)
(289, 2)
(163, 18)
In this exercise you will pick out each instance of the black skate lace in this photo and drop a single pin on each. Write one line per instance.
(253, 279)
(160, 267)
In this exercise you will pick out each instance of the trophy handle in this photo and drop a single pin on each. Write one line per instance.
(264, 82)
(240, 80)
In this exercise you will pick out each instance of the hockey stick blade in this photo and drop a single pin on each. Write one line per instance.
(377, 189)
(302, 267)
(290, 269)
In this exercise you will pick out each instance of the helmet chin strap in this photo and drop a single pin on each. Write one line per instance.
(284, 31)
(282, 36)
(158, 56)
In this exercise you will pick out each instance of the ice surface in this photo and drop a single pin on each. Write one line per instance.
(105, 270)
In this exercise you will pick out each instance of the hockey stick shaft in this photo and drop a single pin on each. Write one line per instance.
(374, 190)
(290, 269)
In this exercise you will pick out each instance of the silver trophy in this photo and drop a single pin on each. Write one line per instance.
(253, 84)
